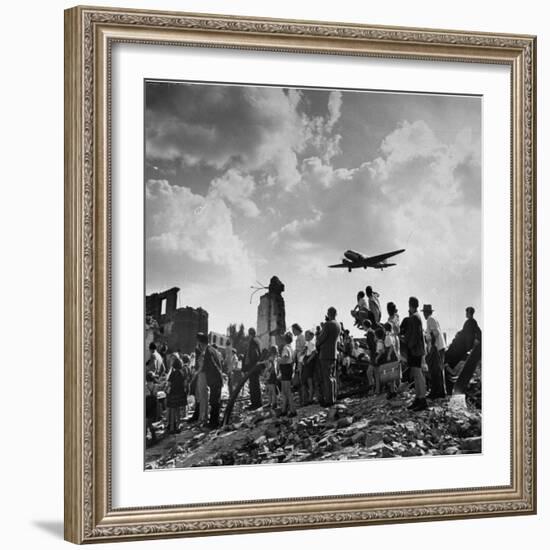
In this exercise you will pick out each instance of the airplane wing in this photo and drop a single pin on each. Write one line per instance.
(340, 265)
(381, 257)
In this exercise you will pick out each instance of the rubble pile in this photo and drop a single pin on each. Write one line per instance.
(356, 427)
(474, 389)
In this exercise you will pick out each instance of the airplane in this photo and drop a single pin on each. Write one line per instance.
(355, 260)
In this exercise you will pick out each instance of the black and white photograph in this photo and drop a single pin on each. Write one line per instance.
(313, 274)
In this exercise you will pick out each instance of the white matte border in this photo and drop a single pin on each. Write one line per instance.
(132, 485)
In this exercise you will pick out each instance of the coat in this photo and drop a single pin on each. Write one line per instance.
(212, 367)
(414, 336)
(470, 332)
(328, 339)
(252, 355)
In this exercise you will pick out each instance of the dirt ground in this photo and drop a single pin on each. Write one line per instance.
(354, 428)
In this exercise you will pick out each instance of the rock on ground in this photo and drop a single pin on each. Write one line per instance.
(360, 427)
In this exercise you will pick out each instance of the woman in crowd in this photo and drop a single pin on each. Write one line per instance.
(176, 394)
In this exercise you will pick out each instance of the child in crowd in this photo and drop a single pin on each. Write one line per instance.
(271, 377)
(286, 363)
(187, 373)
(176, 394)
(151, 405)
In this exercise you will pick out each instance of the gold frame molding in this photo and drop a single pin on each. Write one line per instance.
(89, 35)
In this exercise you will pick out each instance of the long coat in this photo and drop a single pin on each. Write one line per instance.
(414, 336)
(212, 367)
(328, 339)
(252, 355)
(470, 332)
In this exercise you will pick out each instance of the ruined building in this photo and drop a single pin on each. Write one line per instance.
(177, 327)
(271, 325)
(218, 339)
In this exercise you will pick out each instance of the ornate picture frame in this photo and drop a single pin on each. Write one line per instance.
(90, 34)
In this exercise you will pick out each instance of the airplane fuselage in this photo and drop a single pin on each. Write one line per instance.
(355, 260)
(353, 256)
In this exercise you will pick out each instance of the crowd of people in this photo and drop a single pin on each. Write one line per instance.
(305, 367)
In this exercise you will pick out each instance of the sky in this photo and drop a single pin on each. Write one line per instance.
(244, 182)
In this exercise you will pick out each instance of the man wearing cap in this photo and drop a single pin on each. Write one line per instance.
(436, 353)
(414, 343)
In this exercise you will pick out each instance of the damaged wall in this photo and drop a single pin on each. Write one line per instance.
(178, 327)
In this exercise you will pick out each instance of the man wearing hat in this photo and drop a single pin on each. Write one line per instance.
(436, 353)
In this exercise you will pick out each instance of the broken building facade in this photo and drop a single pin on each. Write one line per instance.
(218, 339)
(177, 327)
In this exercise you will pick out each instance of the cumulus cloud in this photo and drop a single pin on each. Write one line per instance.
(187, 233)
(236, 189)
(347, 210)
(433, 191)
(419, 171)
(334, 108)
(246, 128)
(413, 195)
(242, 128)
(412, 157)
(315, 172)
(293, 232)
(284, 181)
(320, 138)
